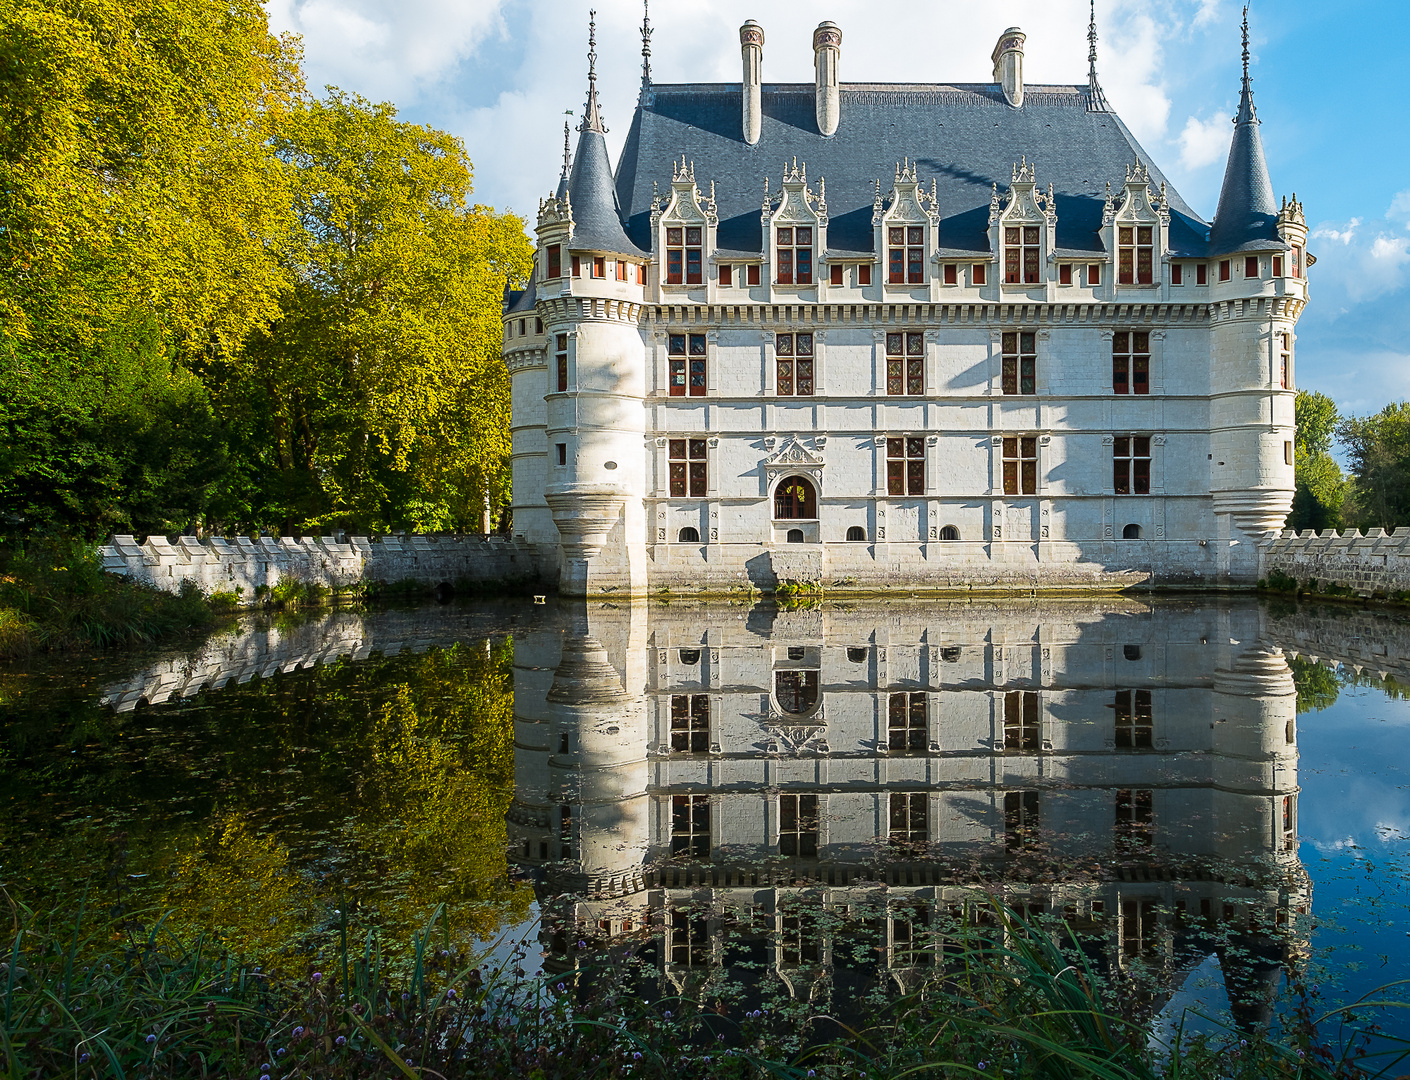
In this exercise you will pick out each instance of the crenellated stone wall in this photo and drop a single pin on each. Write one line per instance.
(248, 567)
(1376, 564)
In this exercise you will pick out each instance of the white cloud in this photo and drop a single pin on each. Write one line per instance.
(1203, 142)
(1208, 12)
(1342, 236)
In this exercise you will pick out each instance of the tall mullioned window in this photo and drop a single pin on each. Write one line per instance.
(687, 356)
(793, 355)
(907, 723)
(798, 826)
(905, 466)
(905, 363)
(1021, 465)
(690, 723)
(690, 826)
(1021, 720)
(687, 467)
(1135, 246)
(795, 255)
(906, 254)
(683, 256)
(1020, 362)
(1131, 362)
(1135, 720)
(1021, 255)
(560, 359)
(1131, 465)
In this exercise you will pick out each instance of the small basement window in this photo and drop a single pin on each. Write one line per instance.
(856, 534)
(688, 535)
(1131, 532)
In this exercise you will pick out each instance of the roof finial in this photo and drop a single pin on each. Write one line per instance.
(646, 43)
(567, 153)
(1247, 111)
(1096, 100)
(1246, 85)
(592, 119)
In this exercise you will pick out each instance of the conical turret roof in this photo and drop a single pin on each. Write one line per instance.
(1248, 214)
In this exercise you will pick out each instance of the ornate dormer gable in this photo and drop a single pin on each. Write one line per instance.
(1023, 228)
(683, 228)
(1137, 231)
(791, 456)
(907, 227)
(1292, 227)
(795, 227)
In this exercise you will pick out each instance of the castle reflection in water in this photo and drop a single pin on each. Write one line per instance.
(717, 779)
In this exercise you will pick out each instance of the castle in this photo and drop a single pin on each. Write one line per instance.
(884, 336)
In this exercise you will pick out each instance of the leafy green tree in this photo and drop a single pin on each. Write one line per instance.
(1379, 449)
(1321, 488)
(378, 398)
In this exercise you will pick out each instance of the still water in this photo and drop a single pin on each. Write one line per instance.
(1211, 793)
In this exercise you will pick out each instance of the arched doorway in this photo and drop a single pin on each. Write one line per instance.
(795, 499)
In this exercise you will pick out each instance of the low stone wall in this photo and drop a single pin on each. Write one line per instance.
(1376, 564)
(248, 567)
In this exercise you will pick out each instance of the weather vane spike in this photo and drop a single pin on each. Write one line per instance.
(566, 151)
(646, 43)
(1096, 100)
(592, 119)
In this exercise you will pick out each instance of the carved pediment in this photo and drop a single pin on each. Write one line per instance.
(793, 455)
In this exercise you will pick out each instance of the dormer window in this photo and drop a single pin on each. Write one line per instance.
(795, 255)
(1136, 253)
(683, 256)
(1021, 255)
(907, 254)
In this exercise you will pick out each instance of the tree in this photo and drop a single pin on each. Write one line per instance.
(1320, 492)
(1379, 449)
(378, 399)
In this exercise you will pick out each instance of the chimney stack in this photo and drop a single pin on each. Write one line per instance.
(751, 48)
(1008, 65)
(827, 49)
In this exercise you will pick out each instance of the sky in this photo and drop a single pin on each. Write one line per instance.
(501, 74)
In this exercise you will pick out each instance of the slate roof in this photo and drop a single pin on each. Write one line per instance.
(516, 301)
(597, 220)
(965, 136)
(1247, 217)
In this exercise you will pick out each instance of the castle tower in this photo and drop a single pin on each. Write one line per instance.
(1257, 293)
(588, 291)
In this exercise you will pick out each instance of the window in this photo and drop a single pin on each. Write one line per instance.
(1289, 822)
(562, 453)
(952, 274)
(1225, 271)
(1287, 452)
(907, 723)
(687, 468)
(1134, 827)
(797, 691)
(754, 274)
(538, 326)
(864, 273)
(688, 657)
(794, 359)
(1135, 724)
(690, 939)
(599, 266)
(577, 266)
(1021, 465)
(905, 363)
(1277, 266)
(621, 270)
(1021, 255)
(690, 826)
(905, 466)
(1251, 266)
(1202, 274)
(555, 260)
(1296, 261)
(1131, 532)
(950, 654)
(1131, 465)
(798, 937)
(949, 532)
(683, 256)
(1020, 362)
(522, 327)
(856, 535)
(835, 273)
(1136, 254)
(1065, 274)
(1140, 927)
(795, 499)
(640, 273)
(690, 723)
(795, 536)
(857, 654)
(565, 831)
(688, 535)
(1020, 820)
(908, 936)
(1177, 274)
(906, 245)
(798, 826)
(726, 274)
(979, 274)
(795, 255)
(910, 818)
(561, 360)
(563, 743)
(683, 364)
(1131, 362)
(1021, 727)
(1094, 275)
(1285, 363)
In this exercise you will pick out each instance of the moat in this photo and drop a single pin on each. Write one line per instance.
(806, 803)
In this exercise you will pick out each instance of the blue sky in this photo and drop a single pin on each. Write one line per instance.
(501, 73)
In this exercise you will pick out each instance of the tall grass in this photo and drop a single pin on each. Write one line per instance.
(100, 996)
(54, 595)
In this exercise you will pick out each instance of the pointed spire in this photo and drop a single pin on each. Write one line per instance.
(562, 192)
(592, 119)
(1096, 100)
(1247, 216)
(646, 43)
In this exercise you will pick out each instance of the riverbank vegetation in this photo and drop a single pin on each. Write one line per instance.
(229, 304)
(1375, 493)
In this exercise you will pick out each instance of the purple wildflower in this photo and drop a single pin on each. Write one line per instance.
(151, 1039)
(317, 976)
(341, 1040)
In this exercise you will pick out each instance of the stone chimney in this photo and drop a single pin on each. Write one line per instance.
(1008, 65)
(751, 48)
(827, 50)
